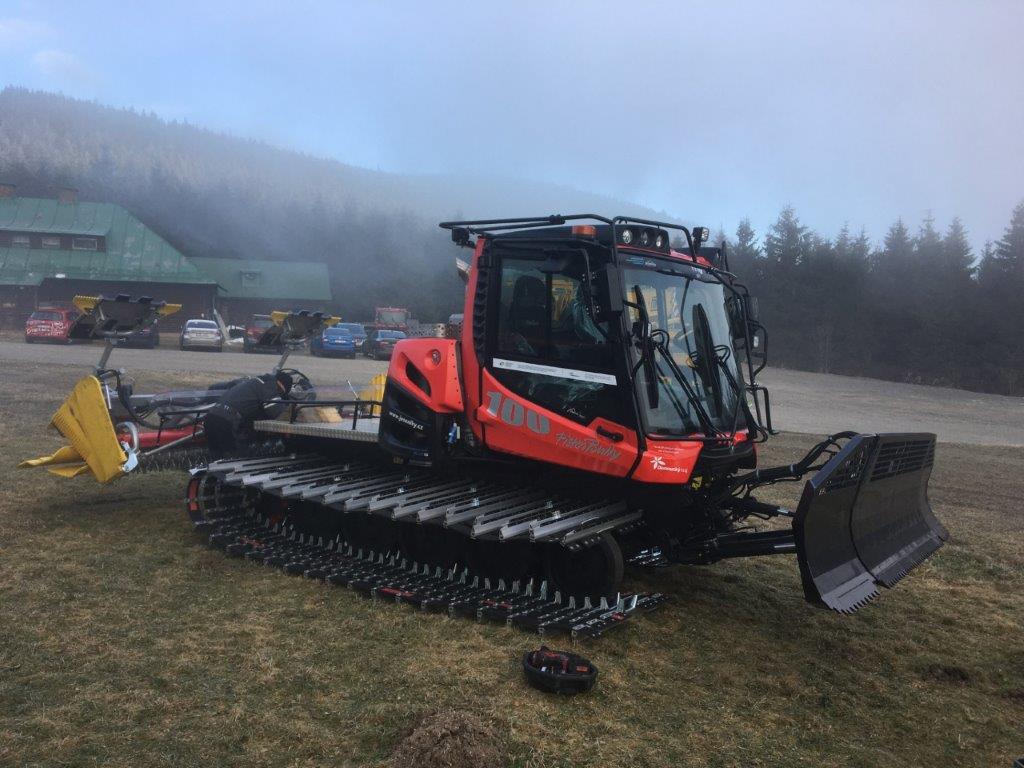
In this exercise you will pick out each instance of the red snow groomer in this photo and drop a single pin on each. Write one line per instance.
(600, 410)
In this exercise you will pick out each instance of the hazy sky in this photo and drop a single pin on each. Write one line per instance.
(848, 111)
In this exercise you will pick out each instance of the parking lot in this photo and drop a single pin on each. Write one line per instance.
(326, 371)
(811, 403)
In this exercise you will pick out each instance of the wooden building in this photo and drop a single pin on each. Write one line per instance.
(53, 249)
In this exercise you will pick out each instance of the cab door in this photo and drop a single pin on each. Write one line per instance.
(551, 388)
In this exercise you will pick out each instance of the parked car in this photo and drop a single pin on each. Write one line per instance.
(381, 343)
(253, 330)
(357, 330)
(144, 338)
(201, 334)
(50, 325)
(333, 342)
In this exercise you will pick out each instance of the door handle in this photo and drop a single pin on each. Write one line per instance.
(615, 437)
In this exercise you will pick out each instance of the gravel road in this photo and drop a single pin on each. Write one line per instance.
(811, 403)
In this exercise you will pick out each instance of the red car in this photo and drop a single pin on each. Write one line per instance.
(50, 325)
(254, 330)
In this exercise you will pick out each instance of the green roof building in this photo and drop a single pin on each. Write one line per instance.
(247, 286)
(53, 249)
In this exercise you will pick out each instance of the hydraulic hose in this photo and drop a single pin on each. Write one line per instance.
(790, 471)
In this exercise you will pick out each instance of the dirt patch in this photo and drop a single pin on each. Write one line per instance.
(450, 739)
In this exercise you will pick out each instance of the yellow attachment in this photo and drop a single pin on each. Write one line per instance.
(66, 462)
(277, 317)
(375, 391)
(85, 303)
(85, 421)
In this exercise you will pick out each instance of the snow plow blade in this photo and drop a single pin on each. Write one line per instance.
(864, 519)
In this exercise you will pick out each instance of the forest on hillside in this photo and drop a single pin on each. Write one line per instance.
(918, 305)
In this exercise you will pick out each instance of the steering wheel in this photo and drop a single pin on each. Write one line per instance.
(302, 387)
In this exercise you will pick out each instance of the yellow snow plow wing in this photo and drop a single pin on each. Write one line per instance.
(116, 315)
(374, 392)
(84, 420)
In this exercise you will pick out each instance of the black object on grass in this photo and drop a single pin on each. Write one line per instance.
(558, 671)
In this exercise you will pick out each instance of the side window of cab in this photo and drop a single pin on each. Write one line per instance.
(548, 349)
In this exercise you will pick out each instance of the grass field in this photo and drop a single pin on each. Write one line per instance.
(125, 642)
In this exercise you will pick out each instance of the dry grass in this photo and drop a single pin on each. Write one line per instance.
(125, 642)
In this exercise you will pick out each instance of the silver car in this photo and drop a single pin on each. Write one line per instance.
(201, 334)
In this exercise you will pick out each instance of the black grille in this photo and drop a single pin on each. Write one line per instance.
(849, 472)
(897, 458)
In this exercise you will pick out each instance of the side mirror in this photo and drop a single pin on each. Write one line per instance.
(737, 320)
(608, 288)
(752, 311)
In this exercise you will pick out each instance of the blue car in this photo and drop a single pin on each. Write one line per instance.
(333, 342)
(357, 330)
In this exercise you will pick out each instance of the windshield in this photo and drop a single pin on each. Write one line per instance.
(391, 316)
(354, 328)
(207, 325)
(337, 333)
(689, 307)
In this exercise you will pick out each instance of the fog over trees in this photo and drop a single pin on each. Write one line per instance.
(920, 306)
(915, 303)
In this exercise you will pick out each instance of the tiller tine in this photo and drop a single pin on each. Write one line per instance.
(864, 519)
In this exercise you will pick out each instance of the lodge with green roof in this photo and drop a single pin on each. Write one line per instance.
(250, 286)
(53, 249)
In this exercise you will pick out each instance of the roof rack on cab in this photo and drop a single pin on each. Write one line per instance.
(619, 226)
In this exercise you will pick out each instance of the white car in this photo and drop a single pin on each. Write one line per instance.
(201, 334)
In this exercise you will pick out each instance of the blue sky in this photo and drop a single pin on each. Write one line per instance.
(848, 111)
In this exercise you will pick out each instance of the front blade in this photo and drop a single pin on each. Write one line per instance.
(894, 527)
(864, 519)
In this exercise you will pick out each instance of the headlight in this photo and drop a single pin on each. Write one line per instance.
(627, 236)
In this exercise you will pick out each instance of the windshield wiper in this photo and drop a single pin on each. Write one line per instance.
(655, 340)
(741, 401)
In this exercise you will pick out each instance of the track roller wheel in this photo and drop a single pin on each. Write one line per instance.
(593, 572)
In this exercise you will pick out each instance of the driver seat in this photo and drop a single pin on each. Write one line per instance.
(527, 311)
